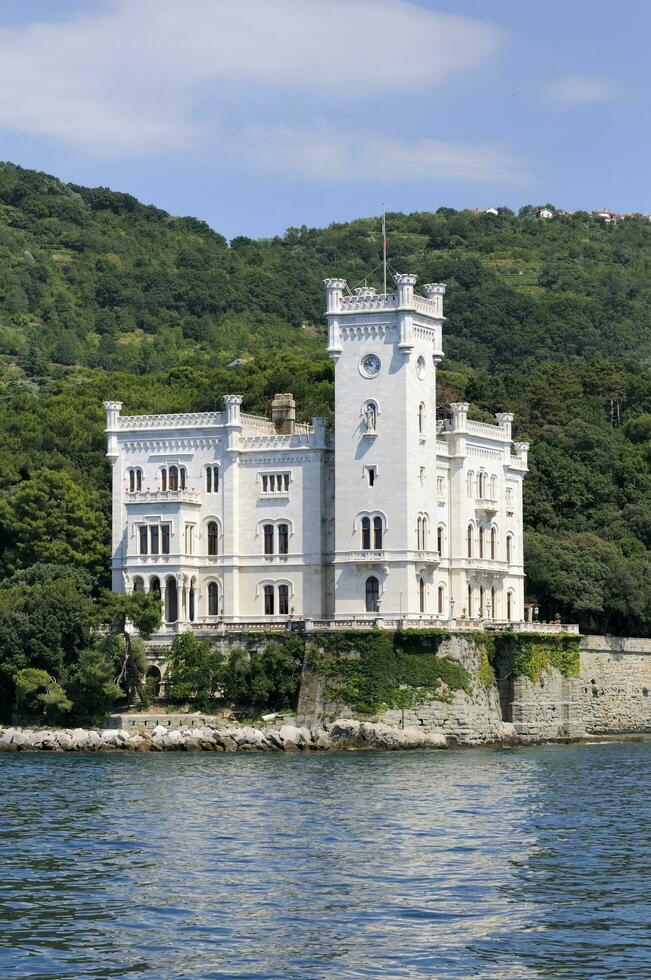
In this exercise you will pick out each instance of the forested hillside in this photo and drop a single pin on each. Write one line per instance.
(103, 297)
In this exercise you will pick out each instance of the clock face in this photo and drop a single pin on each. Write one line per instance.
(420, 367)
(370, 365)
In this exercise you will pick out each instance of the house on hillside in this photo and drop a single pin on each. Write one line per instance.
(542, 212)
(606, 217)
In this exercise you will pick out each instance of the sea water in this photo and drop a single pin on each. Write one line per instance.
(465, 863)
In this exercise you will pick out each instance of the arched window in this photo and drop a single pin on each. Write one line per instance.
(470, 481)
(154, 585)
(481, 601)
(440, 600)
(493, 542)
(268, 531)
(212, 479)
(191, 603)
(509, 548)
(491, 611)
(135, 480)
(372, 594)
(283, 539)
(173, 476)
(481, 542)
(493, 487)
(470, 600)
(269, 600)
(424, 533)
(182, 478)
(366, 533)
(439, 541)
(419, 533)
(470, 541)
(509, 606)
(283, 600)
(377, 533)
(421, 418)
(213, 538)
(421, 590)
(138, 585)
(163, 480)
(213, 599)
(171, 601)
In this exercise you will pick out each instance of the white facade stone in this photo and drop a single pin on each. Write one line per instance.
(237, 518)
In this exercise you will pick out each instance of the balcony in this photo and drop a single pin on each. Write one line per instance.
(485, 505)
(163, 497)
(429, 557)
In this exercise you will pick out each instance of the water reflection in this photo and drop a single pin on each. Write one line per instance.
(459, 864)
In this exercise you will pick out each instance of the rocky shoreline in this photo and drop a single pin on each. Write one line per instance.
(343, 734)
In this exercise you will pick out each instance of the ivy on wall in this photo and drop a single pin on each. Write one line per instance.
(373, 671)
(531, 655)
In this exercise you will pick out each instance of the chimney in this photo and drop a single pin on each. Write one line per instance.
(283, 414)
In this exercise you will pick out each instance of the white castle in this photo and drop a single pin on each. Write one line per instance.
(236, 518)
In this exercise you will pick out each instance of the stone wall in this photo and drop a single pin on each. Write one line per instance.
(615, 684)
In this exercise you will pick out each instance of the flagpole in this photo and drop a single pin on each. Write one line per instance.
(384, 246)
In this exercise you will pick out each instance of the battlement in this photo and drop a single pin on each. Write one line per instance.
(365, 299)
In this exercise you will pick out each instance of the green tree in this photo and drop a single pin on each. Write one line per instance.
(194, 670)
(122, 614)
(41, 695)
(91, 684)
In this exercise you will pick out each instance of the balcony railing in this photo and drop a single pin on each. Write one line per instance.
(163, 496)
(487, 504)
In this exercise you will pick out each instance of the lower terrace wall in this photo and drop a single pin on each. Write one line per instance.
(473, 687)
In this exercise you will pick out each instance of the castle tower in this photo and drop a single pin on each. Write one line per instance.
(386, 348)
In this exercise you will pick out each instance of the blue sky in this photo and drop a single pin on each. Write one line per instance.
(260, 114)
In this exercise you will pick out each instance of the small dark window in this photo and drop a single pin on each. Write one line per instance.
(182, 477)
(174, 478)
(372, 594)
(165, 539)
(509, 550)
(268, 600)
(209, 479)
(163, 480)
(377, 533)
(283, 539)
(132, 481)
(441, 595)
(154, 586)
(191, 604)
(493, 542)
(439, 540)
(470, 541)
(371, 476)
(268, 539)
(138, 585)
(366, 533)
(153, 538)
(481, 542)
(143, 539)
(421, 587)
(283, 600)
(215, 478)
(470, 600)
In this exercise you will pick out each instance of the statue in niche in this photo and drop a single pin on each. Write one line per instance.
(370, 417)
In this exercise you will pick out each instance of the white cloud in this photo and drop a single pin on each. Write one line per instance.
(147, 76)
(576, 90)
(319, 151)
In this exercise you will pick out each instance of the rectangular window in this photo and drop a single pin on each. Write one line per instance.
(165, 539)
(153, 539)
(371, 473)
(275, 482)
(143, 539)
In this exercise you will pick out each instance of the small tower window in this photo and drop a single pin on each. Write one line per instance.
(493, 542)
(470, 541)
(421, 418)
(470, 601)
(439, 541)
(441, 599)
(421, 590)
(509, 548)
(481, 542)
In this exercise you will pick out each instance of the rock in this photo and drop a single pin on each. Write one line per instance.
(344, 728)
